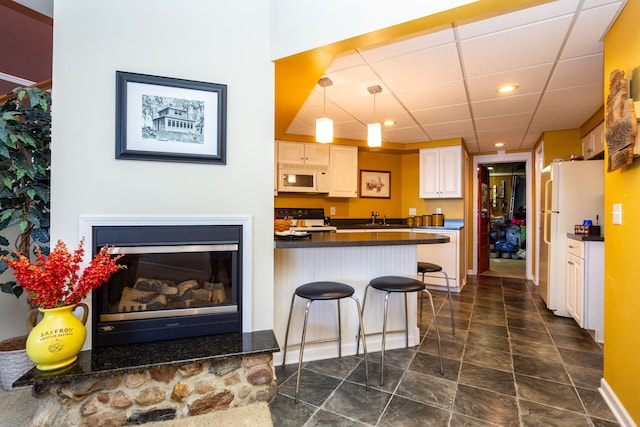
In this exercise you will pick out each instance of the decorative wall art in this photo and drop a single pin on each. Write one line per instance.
(168, 119)
(620, 122)
(375, 184)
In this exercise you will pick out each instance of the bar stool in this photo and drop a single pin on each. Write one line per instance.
(405, 285)
(324, 291)
(427, 267)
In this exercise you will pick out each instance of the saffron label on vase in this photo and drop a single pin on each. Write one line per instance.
(55, 335)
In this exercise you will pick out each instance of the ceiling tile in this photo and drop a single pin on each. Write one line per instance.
(530, 79)
(408, 46)
(588, 32)
(536, 44)
(433, 96)
(450, 113)
(586, 70)
(516, 19)
(505, 106)
(420, 68)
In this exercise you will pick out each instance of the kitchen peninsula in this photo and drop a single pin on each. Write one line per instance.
(355, 259)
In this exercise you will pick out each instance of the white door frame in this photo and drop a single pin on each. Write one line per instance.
(539, 162)
(503, 158)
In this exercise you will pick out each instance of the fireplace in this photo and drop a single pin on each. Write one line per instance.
(181, 281)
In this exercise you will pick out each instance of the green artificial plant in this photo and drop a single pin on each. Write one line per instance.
(25, 160)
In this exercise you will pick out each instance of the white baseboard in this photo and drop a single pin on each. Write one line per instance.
(615, 405)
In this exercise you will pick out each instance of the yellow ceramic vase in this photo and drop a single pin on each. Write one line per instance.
(57, 339)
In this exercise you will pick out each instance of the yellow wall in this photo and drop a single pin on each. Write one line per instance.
(622, 282)
(560, 144)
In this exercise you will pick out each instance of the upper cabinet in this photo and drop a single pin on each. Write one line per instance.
(343, 171)
(295, 153)
(593, 143)
(441, 172)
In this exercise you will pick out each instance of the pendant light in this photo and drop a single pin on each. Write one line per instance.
(324, 125)
(374, 130)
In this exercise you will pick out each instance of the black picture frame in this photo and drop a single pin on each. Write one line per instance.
(170, 120)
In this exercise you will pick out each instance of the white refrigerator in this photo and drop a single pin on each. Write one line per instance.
(571, 192)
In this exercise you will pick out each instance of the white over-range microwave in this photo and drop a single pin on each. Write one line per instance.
(307, 180)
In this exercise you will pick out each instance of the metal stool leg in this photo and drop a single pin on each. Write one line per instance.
(286, 335)
(339, 331)
(304, 333)
(406, 321)
(364, 343)
(360, 329)
(453, 328)
(435, 324)
(384, 336)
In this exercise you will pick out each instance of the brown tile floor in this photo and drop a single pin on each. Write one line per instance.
(511, 363)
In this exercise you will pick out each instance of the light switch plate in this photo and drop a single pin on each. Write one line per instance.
(616, 213)
(332, 210)
(412, 211)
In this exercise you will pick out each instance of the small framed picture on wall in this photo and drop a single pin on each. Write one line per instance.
(375, 184)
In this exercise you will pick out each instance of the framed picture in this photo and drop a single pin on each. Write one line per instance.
(376, 184)
(171, 120)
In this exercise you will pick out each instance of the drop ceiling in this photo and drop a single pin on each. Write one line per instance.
(443, 84)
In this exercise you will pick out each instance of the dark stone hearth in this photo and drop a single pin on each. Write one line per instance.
(107, 361)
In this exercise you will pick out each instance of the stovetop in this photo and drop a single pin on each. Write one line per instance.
(305, 219)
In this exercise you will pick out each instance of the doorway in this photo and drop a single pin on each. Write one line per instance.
(506, 221)
(508, 237)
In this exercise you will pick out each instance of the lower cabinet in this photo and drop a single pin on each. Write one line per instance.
(446, 255)
(585, 284)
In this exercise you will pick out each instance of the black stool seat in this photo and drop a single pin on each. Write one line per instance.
(396, 284)
(324, 291)
(427, 267)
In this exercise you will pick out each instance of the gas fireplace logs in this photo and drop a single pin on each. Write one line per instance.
(154, 294)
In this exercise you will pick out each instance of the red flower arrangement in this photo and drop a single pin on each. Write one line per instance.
(55, 280)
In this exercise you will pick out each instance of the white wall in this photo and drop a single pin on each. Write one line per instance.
(221, 42)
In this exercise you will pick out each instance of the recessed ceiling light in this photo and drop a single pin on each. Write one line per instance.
(389, 122)
(490, 168)
(508, 88)
(499, 144)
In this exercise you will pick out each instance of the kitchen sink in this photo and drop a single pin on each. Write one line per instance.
(382, 226)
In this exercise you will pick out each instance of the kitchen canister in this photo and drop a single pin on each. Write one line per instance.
(437, 220)
(411, 221)
(417, 221)
(426, 220)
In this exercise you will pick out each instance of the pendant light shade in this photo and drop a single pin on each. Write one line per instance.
(374, 135)
(324, 130)
(374, 130)
(324, 125)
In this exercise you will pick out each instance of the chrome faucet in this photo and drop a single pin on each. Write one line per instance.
(374, 216)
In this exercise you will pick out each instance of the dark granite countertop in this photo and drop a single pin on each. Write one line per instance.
(126, 358)
(391, 238)
(585, 238)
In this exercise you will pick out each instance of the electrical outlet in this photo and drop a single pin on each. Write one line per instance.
(412, 211)
(332, 210)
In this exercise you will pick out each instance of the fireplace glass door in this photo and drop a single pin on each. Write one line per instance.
(170, 289)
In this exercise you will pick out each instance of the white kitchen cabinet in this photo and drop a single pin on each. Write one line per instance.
(441, 172)
(296, 153)
(585, 284)
(343, 171)
(446, 255)
(593, 143)
(574, 286)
